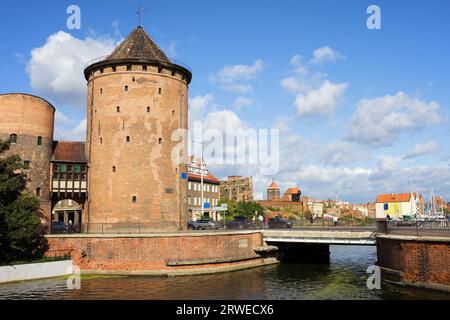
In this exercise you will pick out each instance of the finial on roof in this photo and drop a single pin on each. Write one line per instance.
(140, 11)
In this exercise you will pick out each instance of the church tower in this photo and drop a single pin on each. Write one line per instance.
(137, 99)
(273, 192)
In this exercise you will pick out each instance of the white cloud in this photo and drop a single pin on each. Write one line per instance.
(76, 133)
(321, 101)
(235, 78)
(342, 152)
(325, 54)
(422, 149)
(379, 122)
(56, 68)
(198, 106)
(243, 102)
(61, 118)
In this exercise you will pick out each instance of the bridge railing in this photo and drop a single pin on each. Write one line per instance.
(436, 228)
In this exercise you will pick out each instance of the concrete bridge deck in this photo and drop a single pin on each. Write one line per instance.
(320, 236)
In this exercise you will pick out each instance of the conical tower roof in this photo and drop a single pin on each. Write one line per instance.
(139, 45)
(274, 185)
(137, 48)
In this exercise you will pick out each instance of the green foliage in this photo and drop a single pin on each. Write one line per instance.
(243, 209)
(21, 236)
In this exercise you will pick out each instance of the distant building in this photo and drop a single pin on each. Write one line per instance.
(316, 208)
(273, 192)
(397, 205)
(211, 190)
(237, 188)
(292, 194)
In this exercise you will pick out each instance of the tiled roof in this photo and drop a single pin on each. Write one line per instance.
(292, 191)
(139, 45)
(398, 197)
(274, 185)
(69, 151)
(209, 178)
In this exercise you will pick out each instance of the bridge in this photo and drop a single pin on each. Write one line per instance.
(329, 237)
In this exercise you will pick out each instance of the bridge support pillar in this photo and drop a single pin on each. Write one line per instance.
(304, 252)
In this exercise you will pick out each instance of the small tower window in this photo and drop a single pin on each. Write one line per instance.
(101, 90)
(126, 88)
(129, 67)
(118, 109)
(101, 140)
(114, 69)
(160, 140)
(101, 70)
(173, 73)
(13, 138)
(26, 164)
(114, 169)
(148, 109)
(128, 139)
(39, 141)
(134, 199)
(134, 79)
(159, 90)
(38, 192)
(159, 70)
(173, 112)
(144, 67)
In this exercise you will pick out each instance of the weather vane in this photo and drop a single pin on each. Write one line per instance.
(139, 13)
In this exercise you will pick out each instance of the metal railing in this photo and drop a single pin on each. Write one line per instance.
(416, 228)
(229, 225)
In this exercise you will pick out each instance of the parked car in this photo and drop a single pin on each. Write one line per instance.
(240, 223)
(279, 223)
(192, 225)
(206, 224)
(58, 227)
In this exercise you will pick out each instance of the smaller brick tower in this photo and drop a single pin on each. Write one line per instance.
(28, 122)
(273, 192)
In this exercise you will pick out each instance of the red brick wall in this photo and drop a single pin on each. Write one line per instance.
(421, 262)
(150, 253)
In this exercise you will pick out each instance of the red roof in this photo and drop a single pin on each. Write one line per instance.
(209, 178)
(69, 151)
(292, 191)
(398, 197)
(274, 185)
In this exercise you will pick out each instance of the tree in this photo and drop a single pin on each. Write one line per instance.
(21, 236)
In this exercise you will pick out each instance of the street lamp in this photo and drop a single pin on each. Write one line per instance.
(201, 178)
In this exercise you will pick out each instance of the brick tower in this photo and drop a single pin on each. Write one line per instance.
(28, 121)
(137, 98)
(273, 192)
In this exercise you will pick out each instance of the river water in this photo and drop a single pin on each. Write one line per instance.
(344, 278)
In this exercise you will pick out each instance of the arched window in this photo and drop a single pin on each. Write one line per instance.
(128, 139)
(126, 88)
(114, 169)
(39, 141)
(38, 192)
(118, 109)
(160, 140)
(134, 199)
(13, 138)
(148, 109)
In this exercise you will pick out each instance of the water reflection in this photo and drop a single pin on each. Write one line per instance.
(344, 278)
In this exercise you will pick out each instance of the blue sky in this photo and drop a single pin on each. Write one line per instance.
(356, 108)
